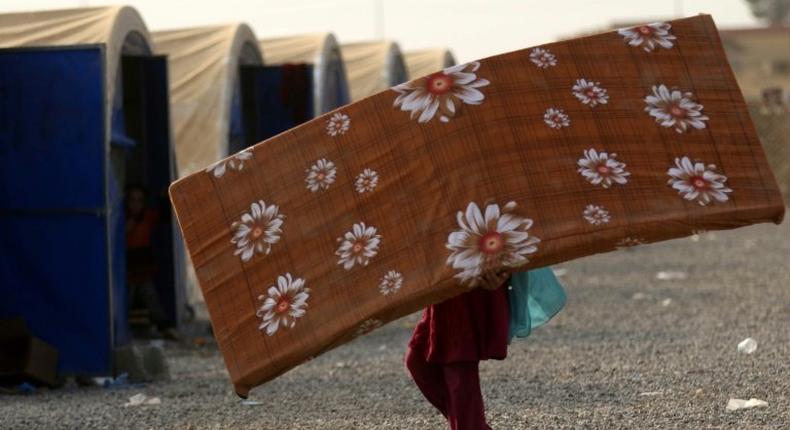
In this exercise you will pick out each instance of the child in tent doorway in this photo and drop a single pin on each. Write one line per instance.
(141, 266)
(453, 336)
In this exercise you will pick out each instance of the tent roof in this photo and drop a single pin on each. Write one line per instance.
(427, 61)
(300, 49)
(203, 65)
(319, 50)
(119, 28)
(373, 67)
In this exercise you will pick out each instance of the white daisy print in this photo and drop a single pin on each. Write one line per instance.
(391, 282)
(542, 58)
(596, 215)
(366, 181)
(441, 93)
(358, 246)
(236, 162)
(321, 175)
(628, 242)
(601, 168)
(672, 108)
(590, 93)
(257, 230)
(489, 241)
(367, 326)
(282, 304)
(556, 118)
(649, 36)
(338, 123)
(697, 182)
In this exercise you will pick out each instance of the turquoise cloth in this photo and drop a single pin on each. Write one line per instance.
(535, 297)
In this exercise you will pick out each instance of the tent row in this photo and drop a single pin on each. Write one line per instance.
(93, 104)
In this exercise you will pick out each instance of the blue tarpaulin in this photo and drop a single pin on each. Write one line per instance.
(62, 228)
(56, 211)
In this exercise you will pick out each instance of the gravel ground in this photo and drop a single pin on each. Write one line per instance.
(617, 339)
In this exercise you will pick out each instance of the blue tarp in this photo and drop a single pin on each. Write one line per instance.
(278, 98)
(59, 220)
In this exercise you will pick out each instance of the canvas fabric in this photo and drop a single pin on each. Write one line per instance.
(372, 67)
(203, 67)
(427, 61)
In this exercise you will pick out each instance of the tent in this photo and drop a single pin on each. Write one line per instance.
(373, 67)
(84, 110)
(322, 53)
(206, 91)
(209, 114)
(427, 61)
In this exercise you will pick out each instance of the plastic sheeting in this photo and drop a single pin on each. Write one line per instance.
(373, 67)
(427, 61)
(330, 84)
(204, 75)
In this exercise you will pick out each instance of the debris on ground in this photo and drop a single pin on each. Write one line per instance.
(248, 402)
(669, 275)
(141, 399)
(737, 404)
(747, 346)
(120, 381)
(651, 393)
(666, 302)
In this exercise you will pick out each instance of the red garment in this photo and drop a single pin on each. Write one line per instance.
(138, 235)
(447, 346)
(453, 389)
(469, 327)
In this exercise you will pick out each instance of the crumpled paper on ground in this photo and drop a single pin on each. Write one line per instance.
(747, 346)
(142, 399)
(736, 404)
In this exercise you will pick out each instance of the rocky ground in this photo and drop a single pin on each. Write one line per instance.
(630, 351)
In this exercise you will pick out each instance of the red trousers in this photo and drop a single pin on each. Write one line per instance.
(453, 389)
(446, 349)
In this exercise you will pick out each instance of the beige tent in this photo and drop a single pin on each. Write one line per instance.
(204, 77)
(330, 84)
(119, 28)
(373, 67)
(427, 61)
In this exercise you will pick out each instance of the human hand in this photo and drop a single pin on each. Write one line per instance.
(493, 279)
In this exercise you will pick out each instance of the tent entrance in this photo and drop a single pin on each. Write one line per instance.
(142, 153)
(275, 99)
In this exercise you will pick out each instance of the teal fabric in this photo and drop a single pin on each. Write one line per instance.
(535, 297)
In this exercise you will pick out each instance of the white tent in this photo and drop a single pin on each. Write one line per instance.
(373, 67)
(204, 77)
(330, 84)
(427, 61)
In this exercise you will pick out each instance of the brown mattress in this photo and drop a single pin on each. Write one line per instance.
(517, 161)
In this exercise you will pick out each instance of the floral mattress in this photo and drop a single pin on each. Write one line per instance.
(522, 160)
